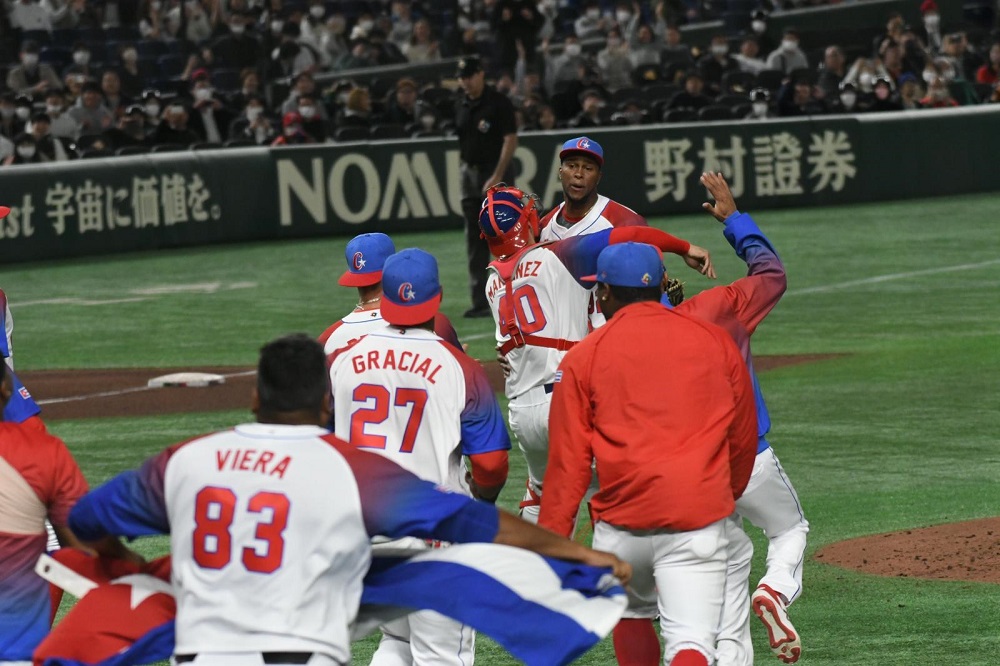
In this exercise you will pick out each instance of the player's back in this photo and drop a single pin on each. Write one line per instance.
(272, 515)
(549, 302)
(400, 393)
(352, 327)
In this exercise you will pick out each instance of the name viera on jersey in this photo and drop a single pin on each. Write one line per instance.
(386, 360)
(251, 460)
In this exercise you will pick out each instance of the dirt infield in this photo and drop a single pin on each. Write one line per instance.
(968, 551)
(75, 394)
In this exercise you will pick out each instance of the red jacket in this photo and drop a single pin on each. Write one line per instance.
(664, 404)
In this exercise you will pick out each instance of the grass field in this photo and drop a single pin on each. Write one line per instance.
(899, 432)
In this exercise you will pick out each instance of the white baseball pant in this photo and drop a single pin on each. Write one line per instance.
(425, 638)
(679, 575)
(770, 503)
(528, 415)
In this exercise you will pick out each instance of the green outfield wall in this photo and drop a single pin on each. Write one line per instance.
(149, 202)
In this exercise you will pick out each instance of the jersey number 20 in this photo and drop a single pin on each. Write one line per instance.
(379, 413)
(214, 511)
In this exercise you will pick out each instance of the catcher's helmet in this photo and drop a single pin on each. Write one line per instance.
(507, 215)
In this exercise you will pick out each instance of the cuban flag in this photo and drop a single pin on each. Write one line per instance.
(542, 611)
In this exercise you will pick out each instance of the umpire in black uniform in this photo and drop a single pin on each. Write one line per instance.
(487, 139)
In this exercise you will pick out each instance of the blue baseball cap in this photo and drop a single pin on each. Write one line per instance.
(411, 290)
(365, 256)
(583, 146)
(629, 265)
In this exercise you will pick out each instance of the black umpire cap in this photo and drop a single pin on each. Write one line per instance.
(468, 66)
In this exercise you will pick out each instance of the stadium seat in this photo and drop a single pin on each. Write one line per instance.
(94, 153)
(132, 150)
(673, 72)
(123, 33)
(226, 80)
(678, 116)
(40, 37)
(738, 82)
(388, 131)
(65, 37)
(238, 143)
(715, 112)
(622, 94)
(350, 134)
(660, 91)
(57, 56)
(205, 145)
(168, 148)
(732, 100)
(770, 79)
(151, 48)
(86, 141)
(170, 65)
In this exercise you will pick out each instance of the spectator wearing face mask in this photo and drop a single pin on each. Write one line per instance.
(10, 124)
(151, 19)
(717, 63)
(760, 105)
(152, 104)
(863, 73)
(592, 23)
(25, 151)
(758, 29)
(788, 56)
(210, 118)
(129, 73)
(313, 124)
(49, 148)
(173, 129)
(81, 63)
(253, 124)
(239, 48)
(931, 19)
(28, 15)
(749, 58)
(643, 49)
(884, 96)
(938, 95)
(63, 125)
(131, 129)
(31, 76)
(90, 111)
(848, 100)
(333, 40)
(613, 62)
(291, 131)
(563, 67)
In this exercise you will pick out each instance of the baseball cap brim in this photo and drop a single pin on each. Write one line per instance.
(4, 212)
(349, 279)
(589, 278)
(569, 152)
(410, 315)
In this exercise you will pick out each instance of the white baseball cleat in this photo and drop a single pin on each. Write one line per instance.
(781, 635)
(531, 505)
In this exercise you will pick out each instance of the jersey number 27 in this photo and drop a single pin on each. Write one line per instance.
(379, 413)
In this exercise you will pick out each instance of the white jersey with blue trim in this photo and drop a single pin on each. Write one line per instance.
(411, 397)
(355, 325)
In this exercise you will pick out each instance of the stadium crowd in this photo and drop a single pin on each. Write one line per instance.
(95, 78)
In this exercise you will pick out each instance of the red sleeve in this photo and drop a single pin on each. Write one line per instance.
(650, 236)
(68, 484)
(444, 330)
(570, 426)
(489, 469)
(742, 435)
(544, 222)
(325, 335)
(623, 216)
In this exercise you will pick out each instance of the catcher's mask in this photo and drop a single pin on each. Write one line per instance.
(507, 215)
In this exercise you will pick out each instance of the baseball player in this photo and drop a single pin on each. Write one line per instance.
(366, 254)
(540, 308)
(21, 407)
(673, 435)
(405, 394)
(769, 501)
(583, 210)
(39, 481)
(270, 522)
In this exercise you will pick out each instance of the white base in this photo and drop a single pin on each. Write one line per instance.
(190, 379)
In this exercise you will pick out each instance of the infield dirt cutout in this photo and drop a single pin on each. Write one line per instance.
(968, 551)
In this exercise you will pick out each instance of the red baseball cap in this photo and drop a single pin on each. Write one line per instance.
(4, 212)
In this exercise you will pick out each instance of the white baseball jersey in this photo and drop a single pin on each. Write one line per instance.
(605, 214)
(270, 528)
(408, 395)
(549, 301)
(362, 322)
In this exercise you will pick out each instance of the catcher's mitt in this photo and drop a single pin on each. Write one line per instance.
(675, 291)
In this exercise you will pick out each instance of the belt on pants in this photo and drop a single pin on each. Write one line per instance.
(267, 657)
(547, 387)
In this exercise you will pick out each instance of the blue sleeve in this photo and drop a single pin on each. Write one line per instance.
(579, 253)
(396, 503)
(131, 504)
(21, 405)
(482, 423)
(747, 239)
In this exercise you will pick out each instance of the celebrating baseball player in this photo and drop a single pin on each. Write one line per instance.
(540, 308)
(673, 436)
(769, 501)
(366, 254)
(270, 522)
(405, 394)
